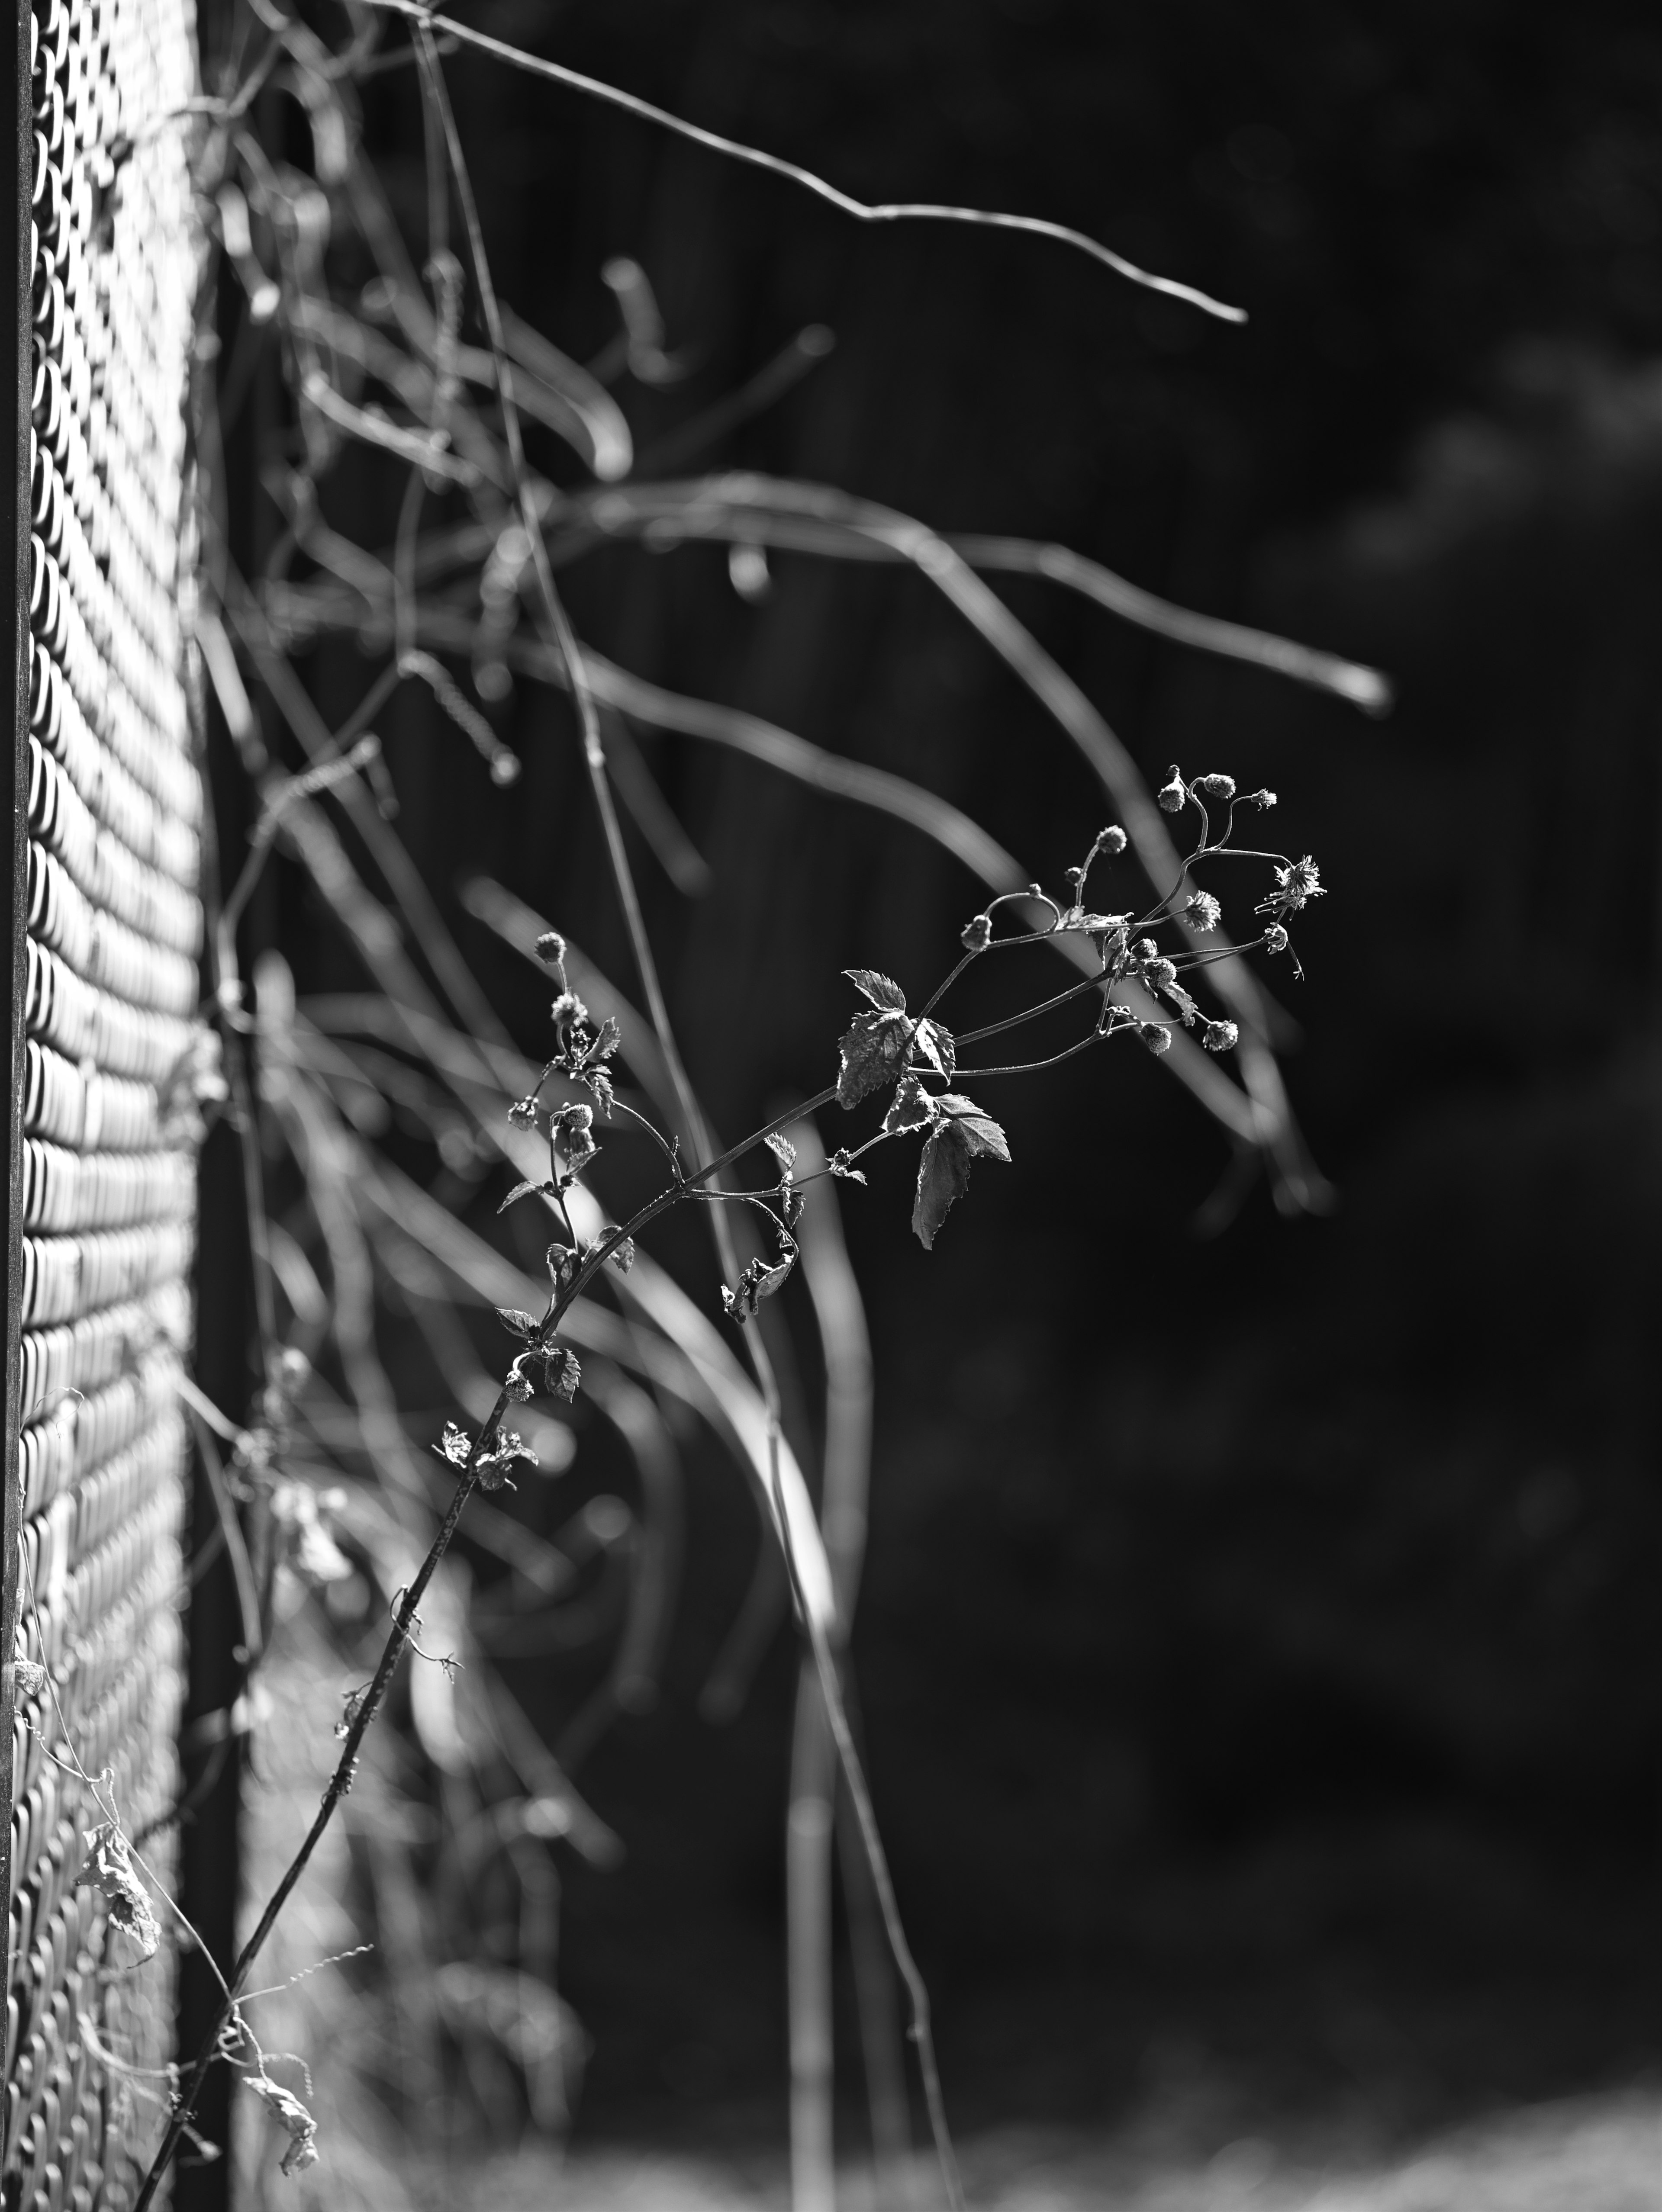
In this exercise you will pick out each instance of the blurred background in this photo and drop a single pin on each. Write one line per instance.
(1258, 1653)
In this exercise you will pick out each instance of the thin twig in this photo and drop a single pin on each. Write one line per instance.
(884, 211)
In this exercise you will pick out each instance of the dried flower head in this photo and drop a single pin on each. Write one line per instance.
(1298, 882)
(1202, 911)
(976, 934)
(1215, 787)
(1156, 1037)
(1219, 1036)
(1173, 796)
(1111, 839)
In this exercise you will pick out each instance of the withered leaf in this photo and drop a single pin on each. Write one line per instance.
(285, 2106)
(758, 1281)
(106, 1867)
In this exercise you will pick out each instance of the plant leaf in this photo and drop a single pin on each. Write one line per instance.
(912, 1107)
(981, 1134)
(285, 2106)
(939, 1047)
(784, 1151)
(879, 989)
(758, 1282)
(962, 1133)
(872, 1053)
(523, 1190)
(522, 1325)
(107, 1867)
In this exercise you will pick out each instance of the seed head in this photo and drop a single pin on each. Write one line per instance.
(1219, 787)
(1111, 839)
(1157, 973)
(1156, 1037)
(1274, 938)
(1202, 911)
(568, 1009)
(978, 934)
(1219, 1036)
(551, 948)
(1299, 882)
(1172, 796)
(1265, 799)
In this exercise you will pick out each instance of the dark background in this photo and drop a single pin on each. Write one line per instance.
(1258, 1651)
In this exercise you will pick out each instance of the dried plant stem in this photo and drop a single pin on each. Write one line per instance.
(340, 1782)
(854, 1776)
(810, 1825)
(426, 22)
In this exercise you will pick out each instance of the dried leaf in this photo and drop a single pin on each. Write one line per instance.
(622, 1256)
(758, 1282)
(31, 1678)
(455, 1445)
(882, 992)
(106, 1867)
(494, 1465)
(841, 1164)
(285, 2106)
(962, 1133)
(522, 1325)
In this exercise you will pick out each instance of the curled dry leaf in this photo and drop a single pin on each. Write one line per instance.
(107, 1867)
(758, 1281)
(285, 2106)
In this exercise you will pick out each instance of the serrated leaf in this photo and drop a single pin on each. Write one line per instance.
(962, 1133)
(871, 1054)
(622, 1255)
(522, 1325)
(783, 1150)
(611, 1036)
(912, 1108)
(879, 989)
(939, 1047)
(524, 1190)
(983, 1136)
